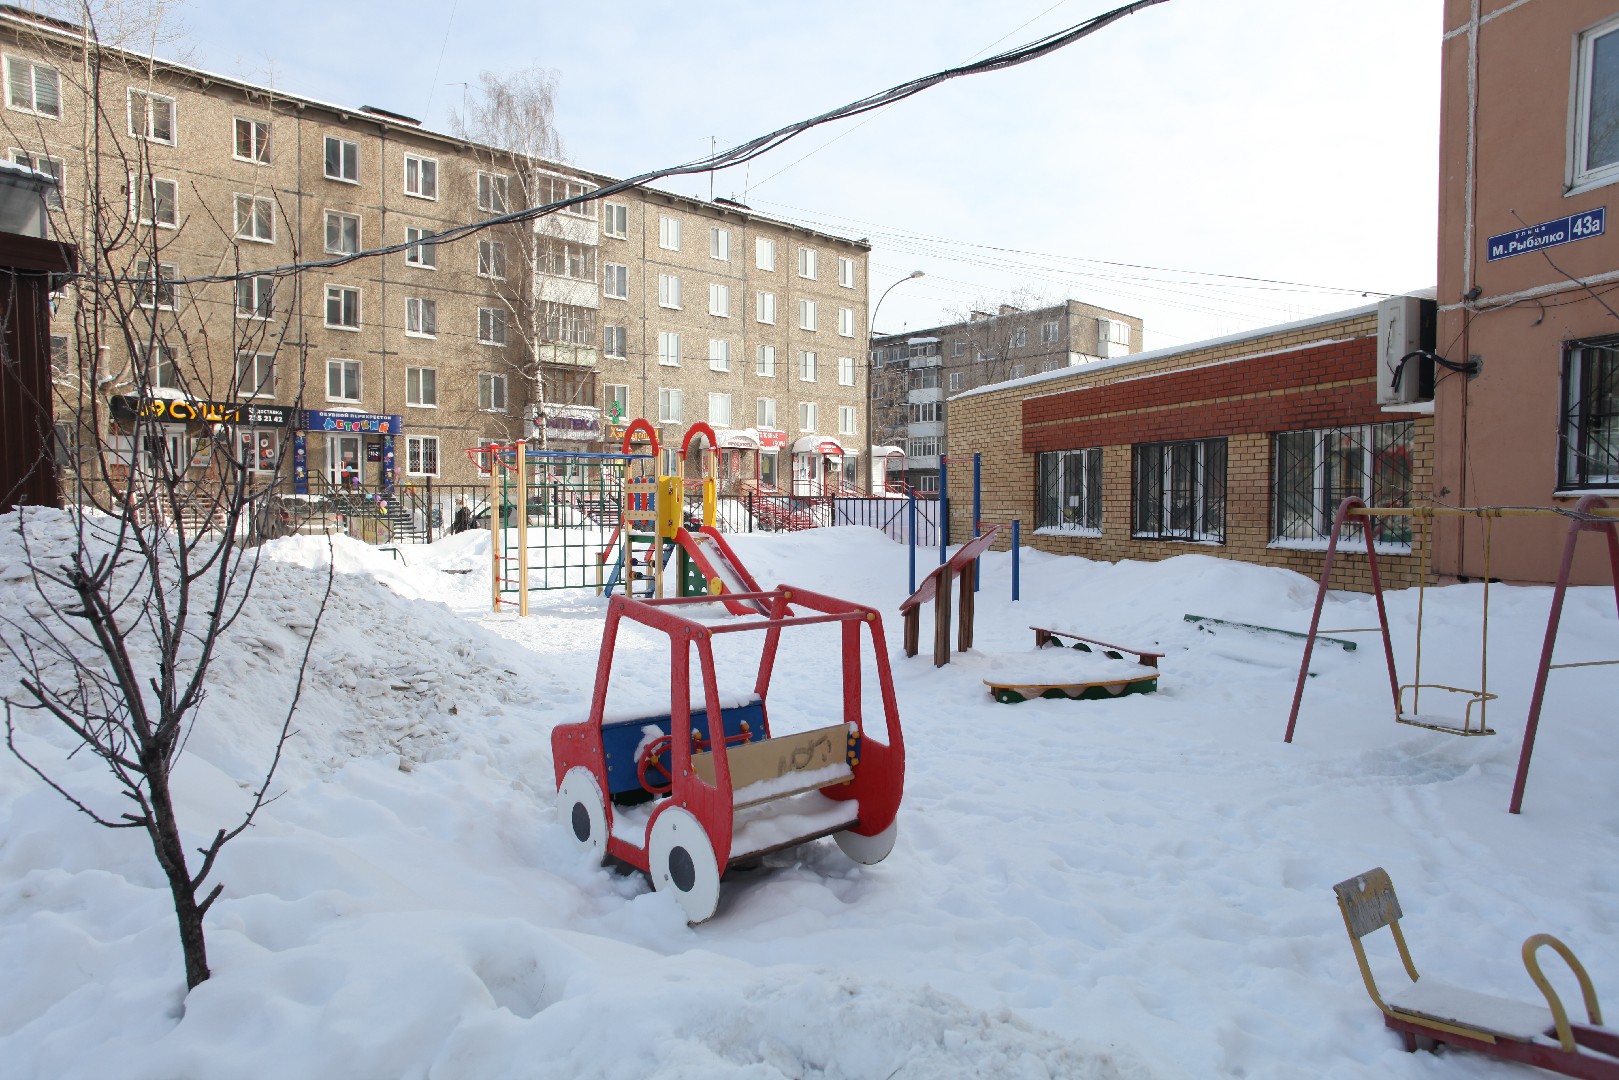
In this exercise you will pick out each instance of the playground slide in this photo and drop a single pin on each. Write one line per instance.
(714, 557)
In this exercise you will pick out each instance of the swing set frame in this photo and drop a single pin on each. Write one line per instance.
(1590, 514)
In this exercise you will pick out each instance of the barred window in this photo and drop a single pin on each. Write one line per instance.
(1179, 490)
(1316, 470)
(1589, 450)
(1068, 492)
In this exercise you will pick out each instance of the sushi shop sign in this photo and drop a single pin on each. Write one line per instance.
(187, 411)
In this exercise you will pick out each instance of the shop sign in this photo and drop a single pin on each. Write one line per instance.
(771, 438)
(364, 423)
(185, 411)
(1564, 230)
(573, 423)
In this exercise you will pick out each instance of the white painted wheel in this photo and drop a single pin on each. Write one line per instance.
(681, 862)
(868, 849)
(583, 811)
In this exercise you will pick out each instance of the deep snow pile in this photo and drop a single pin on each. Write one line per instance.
(1137, 887)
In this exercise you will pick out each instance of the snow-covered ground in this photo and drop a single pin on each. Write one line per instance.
(1134, 888)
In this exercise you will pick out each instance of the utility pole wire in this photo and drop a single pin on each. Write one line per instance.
(731, 158)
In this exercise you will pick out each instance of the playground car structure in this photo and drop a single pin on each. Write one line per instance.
(683, 798)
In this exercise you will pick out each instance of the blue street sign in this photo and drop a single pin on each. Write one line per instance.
(1549, 234)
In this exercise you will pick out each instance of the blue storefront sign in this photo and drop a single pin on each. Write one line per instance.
(340, 422)
(1547, 234)
(364, 423)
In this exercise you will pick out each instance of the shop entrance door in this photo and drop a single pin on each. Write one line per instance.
(345, 460)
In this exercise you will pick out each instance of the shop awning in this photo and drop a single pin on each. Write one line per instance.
(824, 445)
(887, 451)
(738, 438)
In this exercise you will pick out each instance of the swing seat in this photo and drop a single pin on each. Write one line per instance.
(1442, 722)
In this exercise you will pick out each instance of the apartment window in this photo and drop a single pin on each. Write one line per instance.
(669, 349)
(764, 362)
(157, 202)
(615, 340)
(1068, 491)
(342, 160)
(1596, 106)
(155, 291)
(846, 419)
(342, 233)
(925, 379)
(668, 291)
(616, 281)
(669, 406)
(567, 324)
(1017, 371)
(668, 232)
(1589, 442)
(342, 380)
(421, 455)
(719, 354)
(616, 220)
(253, 141)
(492, 260)
(764, 412)
(255, 374)
(1048, 332)
(845, 371)
(162, 371)
(491, 392)
(492, 193)
(1316, 470)
(557, 189)
(806, 416)
(342, 307)
(255, 297)
(616, 399)
(1020, 337)
(846, 321)
(33, 87)
(151, 116)
(491, 326)
(421, 316)
(719, 410)
(845, 272)
(926, 412)
(764, 307)
(764, 253)
(806, 366)
(806, 263)
(1179, 489)
(565, 259)
(421, 176)
(421, 387)
(924, 446)
(422, 252)
(719, 300)
(807, 314)
(51, 167)
(958, 380)
(719, 243)
(1049, 365)
(255, 218)
(958, 348)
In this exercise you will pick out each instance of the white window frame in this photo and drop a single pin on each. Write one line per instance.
(845, 271)
(492, 396)
(808, 416)
(343, 158)
(668, 232)
(808, 263)
(847, 420)
(845, 371)
(764, 308)
(146, 202)
(616, 220)
(421, 254)
(258, 140)
(259, 291)
(958, 381)
(491, 259)
(764, 412)
(492, 327)
(719, 243)
(148, 131)
(32, 106)
(616, 281)
(421, 387)
(719, 354)
(260, 385)
(808, 315)
(1050, 332)
(808, 365)
(1582, 175)
(260, 213)
(160, 357)
(719, 300)
(669, 291)
(416, 454)
(341, 292)
(349, 366)
(421, 317)
(493, 192)
(615, 336)
(52, 166)
(166, 272)
(422, 181)
(341, 218)
(764, 253)
(719, 409)
(669, 348)
(1020, 337)
(671, 405)
(764, 362)
(616, 393)
(846, 322)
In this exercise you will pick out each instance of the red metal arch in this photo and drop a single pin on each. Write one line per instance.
(699, 428)
(644, 427)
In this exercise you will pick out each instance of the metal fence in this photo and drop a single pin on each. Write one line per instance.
(771, 512)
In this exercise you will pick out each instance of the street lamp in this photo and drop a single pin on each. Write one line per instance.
(871, 369)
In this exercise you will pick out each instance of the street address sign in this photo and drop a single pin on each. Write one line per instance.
(1547, 234)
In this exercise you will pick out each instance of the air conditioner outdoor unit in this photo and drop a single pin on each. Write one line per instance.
(1405, 325)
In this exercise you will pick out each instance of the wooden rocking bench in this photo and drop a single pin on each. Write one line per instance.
(1044, 637)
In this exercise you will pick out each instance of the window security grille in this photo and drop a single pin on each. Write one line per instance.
(1068, 491)
(1179, 490)
(1317, 470)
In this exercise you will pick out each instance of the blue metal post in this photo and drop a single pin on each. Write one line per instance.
(1017, 541)
(978, 563)
(944, 507)
(910, 497)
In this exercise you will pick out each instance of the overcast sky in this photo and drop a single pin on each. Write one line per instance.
(1292, 140)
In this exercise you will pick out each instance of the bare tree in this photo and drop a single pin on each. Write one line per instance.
(161, 558)
(535, 269)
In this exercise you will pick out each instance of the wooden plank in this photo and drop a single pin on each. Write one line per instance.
(1043, 637)
(964, 620)
(941, 621)
(1369, 901)
(913, 631)
(770, 759)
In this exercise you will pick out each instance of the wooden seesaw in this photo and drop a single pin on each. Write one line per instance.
(1008, 692)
